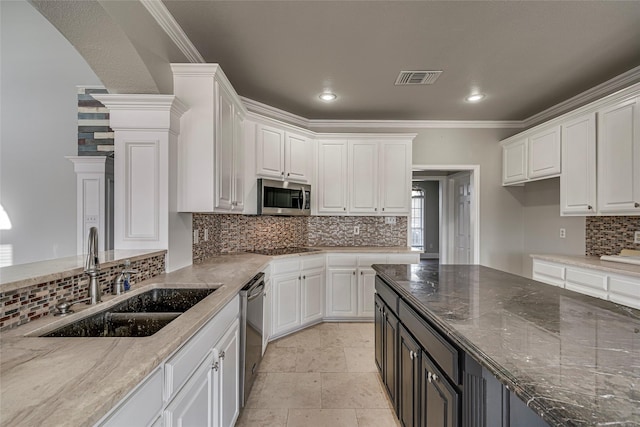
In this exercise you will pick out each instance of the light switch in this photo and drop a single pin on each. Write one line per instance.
(636, 237)
(196, 237)
(563, 233)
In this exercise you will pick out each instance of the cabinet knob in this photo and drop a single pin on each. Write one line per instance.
(382, 209)
(411, 355)
(282, 173)
(304, 277)
(354, 273)
(222, 355)
(299, 277)
(361, 273)
(432, 377)
(589, 207)
(636, 204)
(215, 366)
(344, 209)
(288, 174)
(375, 209)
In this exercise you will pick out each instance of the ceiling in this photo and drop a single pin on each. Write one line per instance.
(525, 56)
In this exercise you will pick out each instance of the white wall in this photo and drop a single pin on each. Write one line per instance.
(542, 223)
(39, 73)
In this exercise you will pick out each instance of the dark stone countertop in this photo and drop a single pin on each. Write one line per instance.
(573, 359)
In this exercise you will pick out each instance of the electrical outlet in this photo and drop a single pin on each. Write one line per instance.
(636, 237)
(196, 236)
(356, 230)
(206, 235)
(389, 219)
(563, 233)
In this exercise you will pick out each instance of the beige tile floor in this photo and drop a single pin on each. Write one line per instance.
(322, 376)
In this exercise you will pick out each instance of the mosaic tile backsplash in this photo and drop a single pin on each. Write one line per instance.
(23, 305)
(608, 235)
(237, 233)
(95, 137)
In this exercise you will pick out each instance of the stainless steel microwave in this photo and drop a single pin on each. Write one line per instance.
(283, 198)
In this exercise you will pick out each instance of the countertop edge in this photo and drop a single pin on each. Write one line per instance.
(591, 262)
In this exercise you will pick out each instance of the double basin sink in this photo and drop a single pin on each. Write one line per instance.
(140, 315)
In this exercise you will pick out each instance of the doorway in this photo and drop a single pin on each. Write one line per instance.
(445, 212)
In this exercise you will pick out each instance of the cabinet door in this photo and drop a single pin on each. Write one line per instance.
(193, 405)
(224, 150)
(269, 152)
(312, 296)
(544, 153)
(440, 402)
(266, 315)
(342, 293)
(389, 357)
(286, 303)
(366, 291)
(578, 178)
(514, 162)
(395, 177)
(363, 177)
(379, 328)
(297, 158)
(227, 394)
(409, 378)
(237, 202)
(619, 158)
(332, 177)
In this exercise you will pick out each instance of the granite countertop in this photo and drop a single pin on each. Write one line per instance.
(592, 262)
(76, 381)
(572, 358)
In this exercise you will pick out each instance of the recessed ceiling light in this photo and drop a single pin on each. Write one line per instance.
(328, 96)
(475, 97)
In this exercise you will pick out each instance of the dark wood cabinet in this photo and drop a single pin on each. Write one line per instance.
(390, 338)
(379, 324)
(440, 401)
(409, 380)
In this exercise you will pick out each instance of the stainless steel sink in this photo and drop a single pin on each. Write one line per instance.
(140, 315)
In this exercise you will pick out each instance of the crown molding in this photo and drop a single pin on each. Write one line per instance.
(171, 27)
(617, 83)
(140, 102)
(274, 113)
(416, 124)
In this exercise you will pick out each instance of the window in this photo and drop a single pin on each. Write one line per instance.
(417, 218)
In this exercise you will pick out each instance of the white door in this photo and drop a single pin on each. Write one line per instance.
(395, 178)
(193, 405)
(363, 177)
(514, 161)
(332, 177)
(286, 303)
(342, 293)
(462, 218)
(312, 296)
(227, 395)
(578, 178)
(224, 151)
(297, 158)
(366, 291)
(619, 158)
(544, 153)
(269, 152)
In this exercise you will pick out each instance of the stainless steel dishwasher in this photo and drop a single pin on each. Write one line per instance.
(251, 303)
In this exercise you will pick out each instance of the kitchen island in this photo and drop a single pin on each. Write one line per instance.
(573, 359)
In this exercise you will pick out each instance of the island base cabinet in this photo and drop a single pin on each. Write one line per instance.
(440, 402)
(409, 375)
(390, 354)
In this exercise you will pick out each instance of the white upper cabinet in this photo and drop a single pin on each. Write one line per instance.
(514, 162)
(377, 171)
(210, 150)
(395, 177)
(332, 177)
(544, 153)
(363, 177)
(619, 158)
(281, 154)
(578, 179)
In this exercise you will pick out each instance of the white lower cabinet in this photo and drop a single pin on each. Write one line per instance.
(297, 292)
(342, 293)
(618, 288)
(193, 405)
(366, 288)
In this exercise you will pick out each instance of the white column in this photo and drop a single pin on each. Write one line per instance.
(147, 129)
(91, 194)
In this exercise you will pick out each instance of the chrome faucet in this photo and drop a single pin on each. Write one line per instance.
(92, 266)
(123, 280)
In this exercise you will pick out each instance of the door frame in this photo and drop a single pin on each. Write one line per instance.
(446, 249)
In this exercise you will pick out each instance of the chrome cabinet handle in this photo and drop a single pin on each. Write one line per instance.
(411, 354)
(432, 377)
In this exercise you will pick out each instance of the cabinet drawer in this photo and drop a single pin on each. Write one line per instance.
(445, 355)
(183, 363)
(403, 258)
(369, 260)
(587, 282)
(624, 290)
(312, 262)
(285, 266)
(342, 260)
(387, 294)
(546, 272)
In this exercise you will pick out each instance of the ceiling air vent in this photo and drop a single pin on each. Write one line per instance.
(417, 77)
